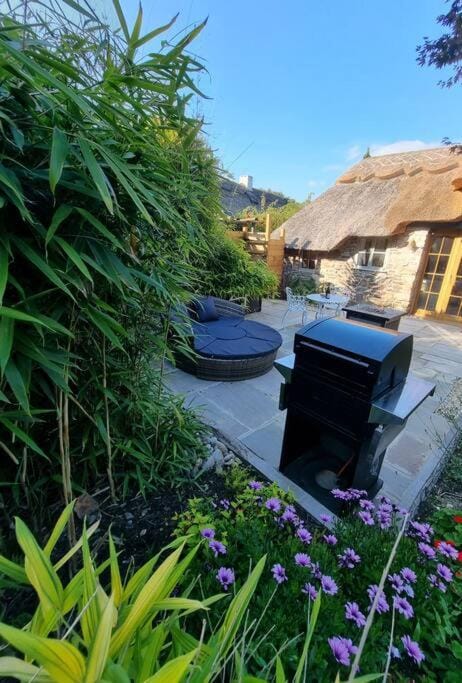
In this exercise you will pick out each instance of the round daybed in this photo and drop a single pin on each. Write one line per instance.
(230, 348)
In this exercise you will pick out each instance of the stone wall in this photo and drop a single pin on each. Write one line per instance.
(394, 285)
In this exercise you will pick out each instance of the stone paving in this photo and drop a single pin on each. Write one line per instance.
(247, 412)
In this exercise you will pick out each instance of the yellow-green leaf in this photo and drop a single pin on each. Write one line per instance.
(61, 660)
(153, 591)
(174, 670)
(59, 528)
(100, 645)
(40, 571)
(12, 667)
(116, 581)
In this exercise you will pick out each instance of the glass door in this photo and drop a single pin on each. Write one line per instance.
(441, 290)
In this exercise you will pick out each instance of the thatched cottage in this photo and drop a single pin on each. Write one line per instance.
(390, 231)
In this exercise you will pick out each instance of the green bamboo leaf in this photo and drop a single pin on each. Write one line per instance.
(3, 271)
(22, 436)
(99, 649)
(97, 174)
(74, 256)
(13, 190)
(280, 675)
(6, 341)
(78, 8)
(97, 319)
(41, 264)
(122, 21)
(101, 228)
(16, 314)
(17, 385)
(59, 152)
(153, 34)
(61, 214)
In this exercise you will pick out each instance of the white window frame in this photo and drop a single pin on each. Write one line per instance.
(373, 250)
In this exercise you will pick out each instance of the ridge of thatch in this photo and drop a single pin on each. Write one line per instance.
(380, 196)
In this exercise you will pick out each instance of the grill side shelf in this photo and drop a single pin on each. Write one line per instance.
(397, 405)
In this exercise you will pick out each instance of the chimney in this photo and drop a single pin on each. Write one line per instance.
(246, 181)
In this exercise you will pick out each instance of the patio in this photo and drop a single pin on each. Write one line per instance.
(247, 412)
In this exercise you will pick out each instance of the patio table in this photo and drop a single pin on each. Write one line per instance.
(335, 301)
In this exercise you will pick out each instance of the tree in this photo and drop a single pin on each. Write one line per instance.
(445, 51)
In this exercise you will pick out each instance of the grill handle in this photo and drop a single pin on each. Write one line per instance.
(335, 354)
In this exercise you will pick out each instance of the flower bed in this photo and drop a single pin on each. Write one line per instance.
(417, 614)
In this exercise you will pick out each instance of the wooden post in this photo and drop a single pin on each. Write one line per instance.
(268, 227)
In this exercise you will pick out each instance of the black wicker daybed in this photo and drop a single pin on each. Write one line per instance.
(228, 347)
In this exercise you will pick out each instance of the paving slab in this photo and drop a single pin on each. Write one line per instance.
(247, 411)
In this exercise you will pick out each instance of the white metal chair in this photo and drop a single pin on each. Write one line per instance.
(295, 302)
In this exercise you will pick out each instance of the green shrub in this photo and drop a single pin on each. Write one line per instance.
(301, 285)
(248, 529)
(106, 194)
(226, 270)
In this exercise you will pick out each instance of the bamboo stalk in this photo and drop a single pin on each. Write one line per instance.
(108, 428)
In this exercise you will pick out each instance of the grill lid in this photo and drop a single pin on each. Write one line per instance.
(354, 338)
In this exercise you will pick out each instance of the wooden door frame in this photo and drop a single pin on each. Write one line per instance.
(440, 230)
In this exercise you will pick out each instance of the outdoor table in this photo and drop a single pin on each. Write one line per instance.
(335, 301)
(374, 315)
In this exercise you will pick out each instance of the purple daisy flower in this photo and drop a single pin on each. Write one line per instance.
(436, 583)
(384, 519)
(403, 606)
(255, 485)
(304, 535)
(366, 517)
(444, 572)
(217, 547)
(316, 570)
(302, 560)
(309, 590)
(408, 574)
(427, 550)
(328, 585)
(353, 613)
(327, 519)
(386, 507)
(447, 550)
(342, 649)
(208, 533)
(382, 604)
(225, 504)
(395, 653)
(341, 495)
(366, 504)
(273, 504)
(412, 649)
(330, 539)
(290, 516)
(279, 573)
(348, 559)
(226, 577)
(397, 582)
(421, 530)
(408, 589)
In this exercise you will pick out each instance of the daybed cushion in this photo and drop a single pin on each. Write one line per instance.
(234, 338)
(205, 309)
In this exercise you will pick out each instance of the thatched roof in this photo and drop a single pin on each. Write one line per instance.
(235, 198)
(380, 196)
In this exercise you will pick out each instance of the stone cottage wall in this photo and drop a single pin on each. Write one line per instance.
(394, 285)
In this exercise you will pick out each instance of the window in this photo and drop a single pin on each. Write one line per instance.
(372, 254)
(301, 258)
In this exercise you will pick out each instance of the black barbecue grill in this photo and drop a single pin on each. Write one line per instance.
(348, 394)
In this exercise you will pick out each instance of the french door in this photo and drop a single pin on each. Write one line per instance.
(441, 289)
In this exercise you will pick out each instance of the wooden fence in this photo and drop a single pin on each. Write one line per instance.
(259, 243)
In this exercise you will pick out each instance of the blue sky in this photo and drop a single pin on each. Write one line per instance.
(300, 88)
